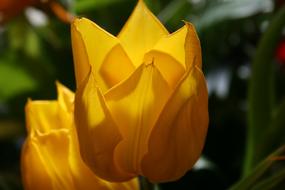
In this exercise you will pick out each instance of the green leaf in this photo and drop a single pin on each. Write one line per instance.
(271, 182)
(87, 5)
(171, 10)
(255, 176)
(14, 80)
(278, 122)
(260, 93)
(275, 133)
(228, 10)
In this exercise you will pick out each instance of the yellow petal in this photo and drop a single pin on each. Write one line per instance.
(135, 105)
(41, 116)
(116, 67)
(65, 97)
(54, 151)
(91, 44)
(178, 137)
(44, 116)
(170, 52)
(35, 177)
(98, 134)
(56, 164)
(140, 33)
(192, 47)
(80, 54)
(49, 155)
(170, 69)
(184, 42)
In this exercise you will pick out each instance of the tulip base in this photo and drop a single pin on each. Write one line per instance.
(147, 185)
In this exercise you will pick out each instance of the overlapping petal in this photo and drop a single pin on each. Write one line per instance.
(140, 33)
(44, 111)
(53, 150)
(178, 136)
(170, 51)
(135, 104)
(97, 132)
(116, 66)
(184, 42)
(91, 45)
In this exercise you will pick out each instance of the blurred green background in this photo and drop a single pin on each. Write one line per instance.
(35, 51)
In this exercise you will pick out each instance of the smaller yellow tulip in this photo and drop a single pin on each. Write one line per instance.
(50, 155)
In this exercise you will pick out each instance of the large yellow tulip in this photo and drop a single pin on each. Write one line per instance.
(141, 105)
(50, 155)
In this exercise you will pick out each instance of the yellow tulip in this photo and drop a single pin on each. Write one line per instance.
(141, 105)
(50, 155)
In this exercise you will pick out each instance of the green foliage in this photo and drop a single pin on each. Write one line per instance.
(14, 79)
(261, 95)
(257, 178)
(87, 5)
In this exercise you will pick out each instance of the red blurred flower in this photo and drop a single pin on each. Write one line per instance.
(279, 3)
(11, 8)
(280, 53)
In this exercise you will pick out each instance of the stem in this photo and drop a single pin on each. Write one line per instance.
(60, 12)
(147, 185)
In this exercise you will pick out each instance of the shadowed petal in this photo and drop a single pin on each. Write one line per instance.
(97, 132)
(178, 136)
(192, 47)
(140, 33)
(116, 67)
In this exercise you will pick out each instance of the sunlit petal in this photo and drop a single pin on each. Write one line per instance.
(65, 97)
(41, 116)
(41, 172)
(140, 33)
(50, 156)
(48, 153)
(170, 69)
(91, 44)
(135, 104)
(170, 52)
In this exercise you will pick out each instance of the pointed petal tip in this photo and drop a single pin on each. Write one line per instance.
(75, 22)
(29, 100)
(59, 86)
(141, 32)
(62, 89)
(141, 6)
(79, 20)
(190, 28)
(192, 46)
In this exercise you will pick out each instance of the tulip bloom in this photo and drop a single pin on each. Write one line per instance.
(50, 155)
(141, 105)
